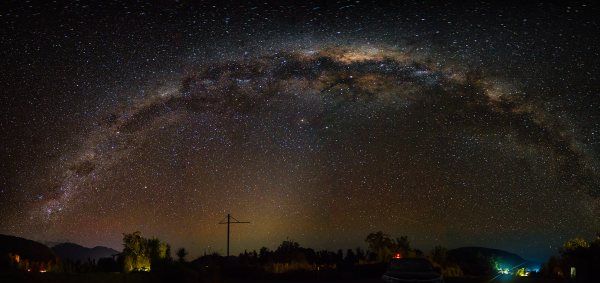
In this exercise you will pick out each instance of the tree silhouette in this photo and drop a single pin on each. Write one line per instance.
(181, 253)
(264, 255)
(439, 255)
(381, 245)
(350, 257)
(159, 253)
(360, 255)
(290, 251)
(403, 245)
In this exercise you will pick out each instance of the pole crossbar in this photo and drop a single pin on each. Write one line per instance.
(229, 222)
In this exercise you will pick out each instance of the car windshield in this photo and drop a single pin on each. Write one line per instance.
(411, 265)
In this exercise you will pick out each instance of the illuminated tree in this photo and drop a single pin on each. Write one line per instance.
(135, 252)
(574, 244)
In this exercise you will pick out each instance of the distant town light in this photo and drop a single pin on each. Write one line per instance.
(522, 272)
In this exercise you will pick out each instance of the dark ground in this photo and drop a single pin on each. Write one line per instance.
(149, 277)
(448, 280)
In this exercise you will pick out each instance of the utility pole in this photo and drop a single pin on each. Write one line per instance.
(229, 222)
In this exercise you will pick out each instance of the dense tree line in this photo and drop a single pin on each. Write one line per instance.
(578, 260)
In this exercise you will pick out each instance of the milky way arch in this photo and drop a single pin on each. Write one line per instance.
(315, 95)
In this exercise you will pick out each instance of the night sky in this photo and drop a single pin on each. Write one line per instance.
(459, 125)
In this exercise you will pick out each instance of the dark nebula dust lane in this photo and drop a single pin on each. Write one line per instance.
(415, 128)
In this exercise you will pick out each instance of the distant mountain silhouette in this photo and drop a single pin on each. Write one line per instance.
(29, 250)
(75, 252)
(482, 261)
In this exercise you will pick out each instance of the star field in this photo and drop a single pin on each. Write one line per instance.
(321, 122)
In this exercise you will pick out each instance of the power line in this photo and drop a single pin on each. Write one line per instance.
(229, 222)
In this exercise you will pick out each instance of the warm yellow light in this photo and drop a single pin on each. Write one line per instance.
(522, 272)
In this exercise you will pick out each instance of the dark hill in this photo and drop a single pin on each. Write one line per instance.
(29, 250)
(484, 261)
(75, 252)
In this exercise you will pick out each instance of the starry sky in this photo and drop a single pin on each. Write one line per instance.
(458, 125)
